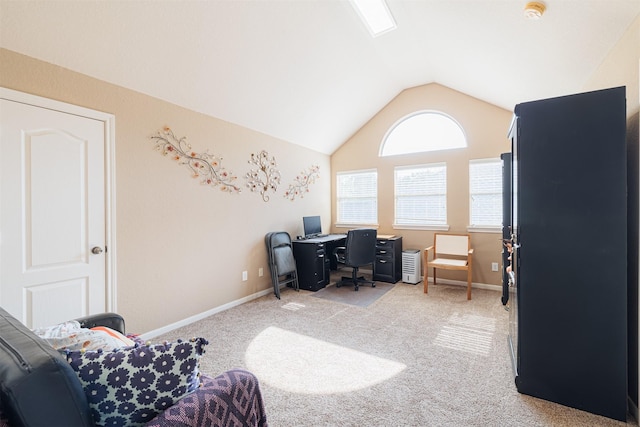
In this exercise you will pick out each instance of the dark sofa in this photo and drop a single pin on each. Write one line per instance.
(38, 387)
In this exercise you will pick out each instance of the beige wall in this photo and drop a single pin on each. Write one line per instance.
(181, 246)
(486, 129)
(621, 68)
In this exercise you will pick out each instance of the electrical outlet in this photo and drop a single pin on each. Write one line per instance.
(244, 276)
(260, 272)
(494, 266)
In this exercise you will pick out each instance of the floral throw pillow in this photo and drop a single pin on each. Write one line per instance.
(130, 386)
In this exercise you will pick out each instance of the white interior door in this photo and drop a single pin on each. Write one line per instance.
(53, 228)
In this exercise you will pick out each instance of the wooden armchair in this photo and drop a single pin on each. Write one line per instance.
(450, 252)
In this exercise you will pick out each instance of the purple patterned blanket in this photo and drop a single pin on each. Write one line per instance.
(232, 399)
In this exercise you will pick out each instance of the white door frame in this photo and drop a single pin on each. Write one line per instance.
(110, 174)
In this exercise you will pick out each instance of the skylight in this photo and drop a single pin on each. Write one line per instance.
(376, 15)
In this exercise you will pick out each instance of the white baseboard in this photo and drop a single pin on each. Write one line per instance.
(487, 286)
(156, 332)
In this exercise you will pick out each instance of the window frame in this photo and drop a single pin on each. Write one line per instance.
(351, 224)
(411, 116)
(485, 228)
(425, 225)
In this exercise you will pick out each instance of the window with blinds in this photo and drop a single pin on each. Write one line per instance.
(357, 197)
(485, 192)
(421, 195)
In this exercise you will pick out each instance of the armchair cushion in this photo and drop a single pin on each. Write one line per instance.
(132, 385)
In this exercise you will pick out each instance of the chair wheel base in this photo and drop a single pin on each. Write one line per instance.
(356, 283)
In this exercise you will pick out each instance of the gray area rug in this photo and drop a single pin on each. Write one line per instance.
(364, 297)
(409, 359)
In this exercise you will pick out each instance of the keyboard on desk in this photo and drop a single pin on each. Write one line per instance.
(322, 236)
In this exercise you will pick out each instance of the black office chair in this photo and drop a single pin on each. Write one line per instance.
(281, 262)
(359, 250)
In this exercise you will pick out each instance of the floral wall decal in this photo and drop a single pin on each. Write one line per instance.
(266, 178)
(206, 166)
(301, 183)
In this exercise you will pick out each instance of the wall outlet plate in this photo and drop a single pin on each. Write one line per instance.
(244, 276)
(494, 266)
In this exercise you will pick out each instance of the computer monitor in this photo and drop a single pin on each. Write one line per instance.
(312, 225)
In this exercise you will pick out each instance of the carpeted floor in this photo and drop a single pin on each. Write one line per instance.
(408, 359)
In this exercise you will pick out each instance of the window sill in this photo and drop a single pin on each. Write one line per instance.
(343, 225)
(484, 229)
(431, 227)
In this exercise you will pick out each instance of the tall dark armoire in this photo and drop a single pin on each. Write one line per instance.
(568, 322)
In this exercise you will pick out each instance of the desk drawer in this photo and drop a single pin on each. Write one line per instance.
(388, 265)
(384, 270)
(384, 253)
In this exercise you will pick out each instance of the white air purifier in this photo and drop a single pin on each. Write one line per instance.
(411, 266)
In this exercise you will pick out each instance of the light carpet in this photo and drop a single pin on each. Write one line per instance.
(409, 359)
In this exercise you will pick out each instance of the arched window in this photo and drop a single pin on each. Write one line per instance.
(423, 131)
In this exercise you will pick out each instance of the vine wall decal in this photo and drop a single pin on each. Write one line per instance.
(206, 166)
(266, 178)
(302, 182)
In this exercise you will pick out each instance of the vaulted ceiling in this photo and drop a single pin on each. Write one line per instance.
(308, 71)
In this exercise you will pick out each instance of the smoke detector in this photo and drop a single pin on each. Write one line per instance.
(534, 10)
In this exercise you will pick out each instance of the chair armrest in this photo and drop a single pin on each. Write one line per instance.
(339, 253)
(110, 320)
(425, 259)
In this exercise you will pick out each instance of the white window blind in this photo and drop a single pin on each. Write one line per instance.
(485, 192)
(357, 197)
(421, 195)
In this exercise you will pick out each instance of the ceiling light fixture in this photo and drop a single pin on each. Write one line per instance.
(375, 14)
(534, 10)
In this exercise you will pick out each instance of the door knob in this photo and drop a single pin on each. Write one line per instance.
(97, 250)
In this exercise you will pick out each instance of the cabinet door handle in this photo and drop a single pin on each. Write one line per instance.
(382, 252)
(382, 261)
